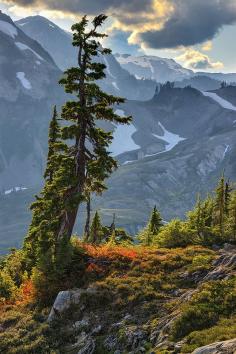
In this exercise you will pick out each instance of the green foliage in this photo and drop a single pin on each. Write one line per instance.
(7, 286)
(224, 330)
(73, 170)
(96, 232)
(147, 235)
(214, 299)
(25, 331)
(174, 234)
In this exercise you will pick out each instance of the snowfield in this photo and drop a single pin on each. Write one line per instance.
(221, 101)
(123, 140)
(25, 83)
(170, 138)
(23, 46)
(8, 29)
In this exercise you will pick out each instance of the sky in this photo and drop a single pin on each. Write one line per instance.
(199, 34)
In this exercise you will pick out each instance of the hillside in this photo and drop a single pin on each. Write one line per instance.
(131, 300)
(28, 90)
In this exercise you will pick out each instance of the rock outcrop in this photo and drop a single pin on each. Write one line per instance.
(226, 347)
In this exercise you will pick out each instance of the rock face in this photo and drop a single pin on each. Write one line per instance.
(226, 347)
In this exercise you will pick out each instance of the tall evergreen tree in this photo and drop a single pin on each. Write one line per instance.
(220, 205)
(79, 157)
(89, 152)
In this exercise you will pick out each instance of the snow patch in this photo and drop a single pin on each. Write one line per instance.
(23, 46)
(170, 138)
(22, 24)
(14, 189)
(127, 162)
(221, 101)
(8, 29)
(50, 25)
(114, 84)
(123, 141)
(25, 83)
(108, 67)
(227, 148)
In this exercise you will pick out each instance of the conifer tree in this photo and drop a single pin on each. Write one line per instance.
(228, 190)
(89, 152)
(152, 229)
(231, 222)
(95, 234)
(155, 222)
(79, 160)
(200, 220)
(54, 135)
(220, 205)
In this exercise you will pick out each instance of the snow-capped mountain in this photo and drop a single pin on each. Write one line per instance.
(58, 43)
(152, 67)
(55, 40)
(162, 70)
(179, 142)
(28, 89)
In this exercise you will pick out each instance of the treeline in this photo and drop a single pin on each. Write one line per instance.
(211, 222)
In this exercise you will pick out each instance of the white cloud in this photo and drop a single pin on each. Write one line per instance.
(196, 60)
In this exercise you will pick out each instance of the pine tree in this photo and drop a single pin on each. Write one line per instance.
(79, 160)
(146, 236)
(54, 135)
(95, 234)
(228, 190)
(89, 152)
(200, 220)
(231, 222)
(220, 205)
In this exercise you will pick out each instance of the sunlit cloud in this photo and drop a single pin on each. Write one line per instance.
(196, 60)
(207, 46)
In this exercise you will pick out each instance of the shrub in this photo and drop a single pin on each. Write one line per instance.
(7, 286)
(174, 234)
(214, 299)
(224, 330)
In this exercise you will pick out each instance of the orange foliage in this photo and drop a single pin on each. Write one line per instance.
(94, 268)
(110, 252)
(26, 292)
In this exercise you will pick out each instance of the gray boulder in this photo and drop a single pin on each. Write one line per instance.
(226, 347)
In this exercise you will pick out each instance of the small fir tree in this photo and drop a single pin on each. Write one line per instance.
(146, 236)
(95, 234)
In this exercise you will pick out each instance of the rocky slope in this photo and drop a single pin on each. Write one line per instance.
(165, 169)
(116, 315)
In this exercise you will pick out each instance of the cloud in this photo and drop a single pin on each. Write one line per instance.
(194, 59)
(156, 24)
(207, 46)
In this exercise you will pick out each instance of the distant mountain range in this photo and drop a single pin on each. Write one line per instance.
(181, 139)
